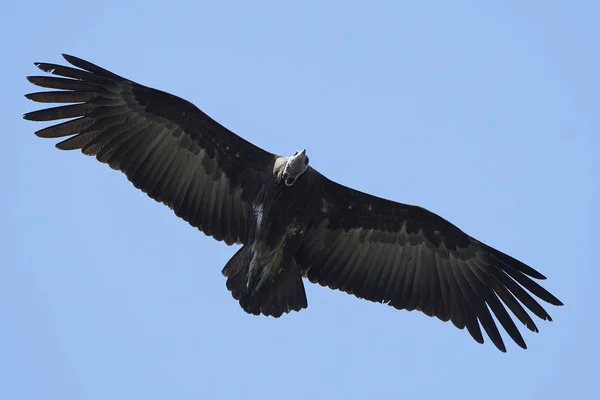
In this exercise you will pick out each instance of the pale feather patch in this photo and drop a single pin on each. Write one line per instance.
(325, 206)
(258, 213)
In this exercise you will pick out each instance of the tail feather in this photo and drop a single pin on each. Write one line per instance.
(236, 270)
(275, 297)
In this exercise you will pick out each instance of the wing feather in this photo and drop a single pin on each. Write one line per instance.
(166, 146)
(412, 259)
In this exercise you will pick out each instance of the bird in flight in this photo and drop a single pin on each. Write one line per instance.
(291, 221)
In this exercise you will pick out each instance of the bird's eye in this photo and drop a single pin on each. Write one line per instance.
(306, 161)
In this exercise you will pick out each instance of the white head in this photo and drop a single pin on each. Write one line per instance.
(295, 166)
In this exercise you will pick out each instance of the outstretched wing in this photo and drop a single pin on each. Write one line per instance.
(412, 259)
(165, 145)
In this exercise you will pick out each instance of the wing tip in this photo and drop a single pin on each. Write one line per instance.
(29, 96)
(71, 59)
(556, 302)
(28, 116)
(46, 67)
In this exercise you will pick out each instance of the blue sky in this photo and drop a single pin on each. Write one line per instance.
(484, 112)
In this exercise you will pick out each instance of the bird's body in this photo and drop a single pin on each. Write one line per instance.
(291, 221)
(278, 229)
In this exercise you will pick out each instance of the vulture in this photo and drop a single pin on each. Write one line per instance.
(291, 221)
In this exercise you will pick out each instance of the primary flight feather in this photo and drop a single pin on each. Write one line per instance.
(291, 220)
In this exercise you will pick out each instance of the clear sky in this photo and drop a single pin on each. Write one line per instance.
(484, 112)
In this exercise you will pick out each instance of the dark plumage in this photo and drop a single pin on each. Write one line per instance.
(291, 220)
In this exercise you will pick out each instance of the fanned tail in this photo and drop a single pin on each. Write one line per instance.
(274, 297)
